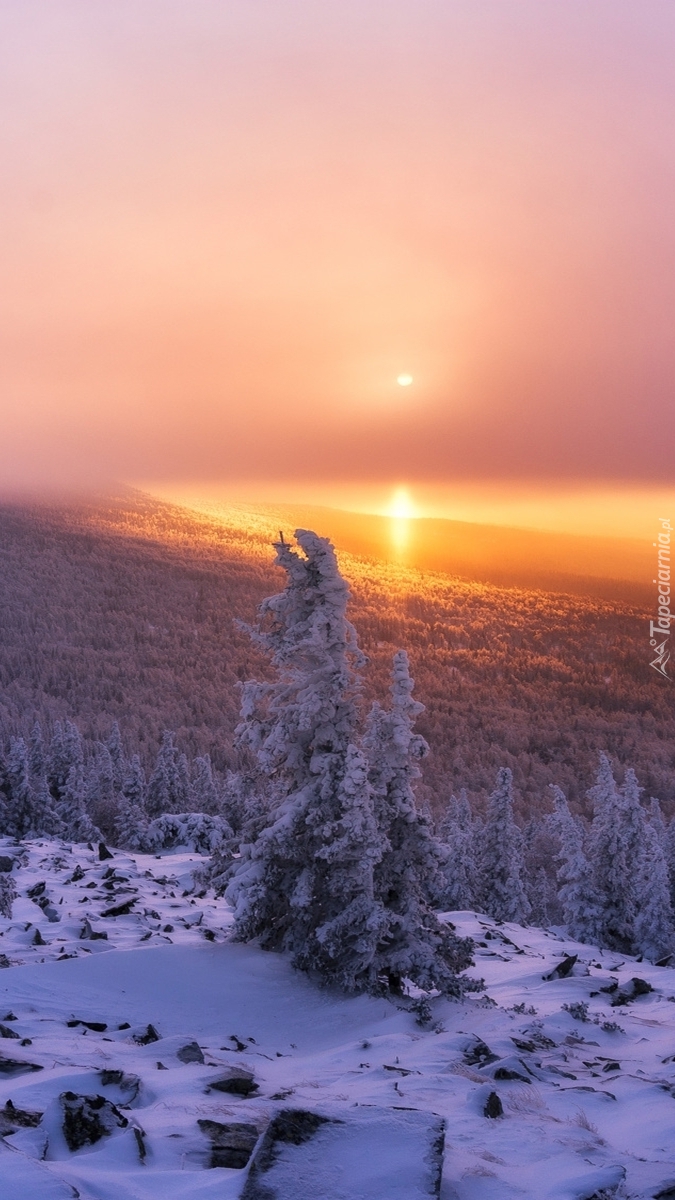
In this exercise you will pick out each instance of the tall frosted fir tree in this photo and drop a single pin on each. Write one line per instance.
(653, 933)
(458, 835)
(616, 842)
(580, 903)
(307, 884)
(409, 875)
(166, 792)
(314, 860)
(504, 895)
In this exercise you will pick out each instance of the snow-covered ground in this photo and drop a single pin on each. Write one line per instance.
(588, 1096)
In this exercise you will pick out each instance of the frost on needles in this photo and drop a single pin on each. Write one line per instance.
(342, 875)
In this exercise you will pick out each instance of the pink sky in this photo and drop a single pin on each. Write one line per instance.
(226, 227)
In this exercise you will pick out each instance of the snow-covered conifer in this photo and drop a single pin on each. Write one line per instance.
(7, 894)
(300, 728)
(185, 799)
(100, 790)
(133, 786)
(457, 835)
(501, 866)
(617, 838)
(117, 756)
(165, 791)
(36, 752)
(44, 817)
(19, 814)
(653, 932)
(581, 909)
(130, 820)
(307, 884)
(204, 791)
(409, 874)
(67, 754)
(71, 809)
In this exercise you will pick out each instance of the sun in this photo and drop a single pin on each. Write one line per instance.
(401, 506)
(404, 380)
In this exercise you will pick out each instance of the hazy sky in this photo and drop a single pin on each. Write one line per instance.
(228, 225)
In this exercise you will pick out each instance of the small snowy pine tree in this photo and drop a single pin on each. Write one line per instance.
(131, 821)
(19, 814)
(654, 935)
(204, 790)
(409, 874)
(616, 842)
(457, 835)
(581, 909)
(165, 793)
(503, 892)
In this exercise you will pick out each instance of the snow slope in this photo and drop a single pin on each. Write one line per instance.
(588, 1111)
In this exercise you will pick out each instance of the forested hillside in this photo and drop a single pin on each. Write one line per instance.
(125, 609)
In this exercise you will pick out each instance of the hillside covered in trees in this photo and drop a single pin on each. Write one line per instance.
(125, 609)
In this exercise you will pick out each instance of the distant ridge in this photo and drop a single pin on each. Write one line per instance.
(613, 568)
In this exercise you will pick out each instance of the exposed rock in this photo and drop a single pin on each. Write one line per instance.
(77, 874)
(120, 910)
(15, 1066)
(237, 1082)
(129, 1084)
(6, 1032)
(636, 987)
(396, 1150)
(88, 934)
(86, 1119)
(103, 852)
(563, 968)
(231, 1145)
(12, 1118)
(150, 1035)
(511, 1073)
(479, 1055)
(191, 1053)
(493, 1106)
(95, 1026)
(6, 863)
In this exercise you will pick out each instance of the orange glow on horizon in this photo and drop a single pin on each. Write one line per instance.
(612, 512)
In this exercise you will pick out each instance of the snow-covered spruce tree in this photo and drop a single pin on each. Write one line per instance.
(655, 817)
(204, 791)
(291, 885)
(457, 834)
(581, 910)
(131, 820)
(166, 790)
(615, 847)
(71, 809)
(670, 858)
(36, 753)
(8, 894)
(117, 757)
(19, 818)
(408, 876)
(653, 932)
(501, 864)
(45, 820)
(306, 884)
(100, 790)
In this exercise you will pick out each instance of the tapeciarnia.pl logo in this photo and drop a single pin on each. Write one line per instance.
(659, 630)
